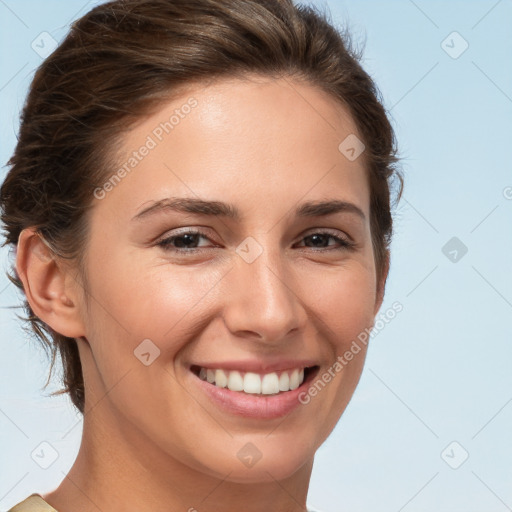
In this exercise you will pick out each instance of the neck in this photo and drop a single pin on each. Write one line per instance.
(120, 469)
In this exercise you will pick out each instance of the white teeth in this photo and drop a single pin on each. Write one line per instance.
(284, 382)
(294, 379)
(270, 384)
(254, 383)
(221, 379)
(235, 381)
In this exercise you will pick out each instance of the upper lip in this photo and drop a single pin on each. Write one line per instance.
(258, 366)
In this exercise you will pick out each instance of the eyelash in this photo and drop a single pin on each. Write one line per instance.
(166, 242)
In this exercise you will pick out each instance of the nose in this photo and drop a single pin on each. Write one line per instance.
(263, 300)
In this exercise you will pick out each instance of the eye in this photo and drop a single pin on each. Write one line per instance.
(186, 241)
(319, 238)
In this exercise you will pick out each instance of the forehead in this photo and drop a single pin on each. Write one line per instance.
(264, 137)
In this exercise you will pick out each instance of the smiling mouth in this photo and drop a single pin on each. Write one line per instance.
(264, 384)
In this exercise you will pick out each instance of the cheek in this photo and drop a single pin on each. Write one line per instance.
(344, 300)
(141, 297)
(344, 305)
(133, 300)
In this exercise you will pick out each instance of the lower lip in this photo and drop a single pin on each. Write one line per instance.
(253, 405)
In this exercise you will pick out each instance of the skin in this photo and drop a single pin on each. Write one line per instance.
(151, 439)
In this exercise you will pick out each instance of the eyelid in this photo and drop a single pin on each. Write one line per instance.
(347, 242)
(178, 232)
(330, 231)
(344, 240)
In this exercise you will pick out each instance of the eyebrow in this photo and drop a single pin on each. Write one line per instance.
(220, 209)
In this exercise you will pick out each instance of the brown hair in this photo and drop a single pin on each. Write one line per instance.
(123, 57)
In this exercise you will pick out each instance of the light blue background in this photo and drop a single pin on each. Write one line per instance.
(441, 370)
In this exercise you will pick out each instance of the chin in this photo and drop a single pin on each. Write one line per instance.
(264, 459)
(278, 468)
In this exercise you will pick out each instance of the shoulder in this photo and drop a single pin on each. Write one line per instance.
(33, 503)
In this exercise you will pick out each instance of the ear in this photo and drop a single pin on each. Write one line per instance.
(49, 286)
(381, 284)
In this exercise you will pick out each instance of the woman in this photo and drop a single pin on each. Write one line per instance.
(200, 200)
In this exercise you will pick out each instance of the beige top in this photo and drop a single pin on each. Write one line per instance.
(33, 503)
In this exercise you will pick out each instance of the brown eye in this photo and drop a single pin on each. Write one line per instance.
(321, 238)
(185, 241)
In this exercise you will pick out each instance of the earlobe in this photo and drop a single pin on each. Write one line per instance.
(44, 282)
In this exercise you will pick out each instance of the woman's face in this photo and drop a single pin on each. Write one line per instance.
(278, 287)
